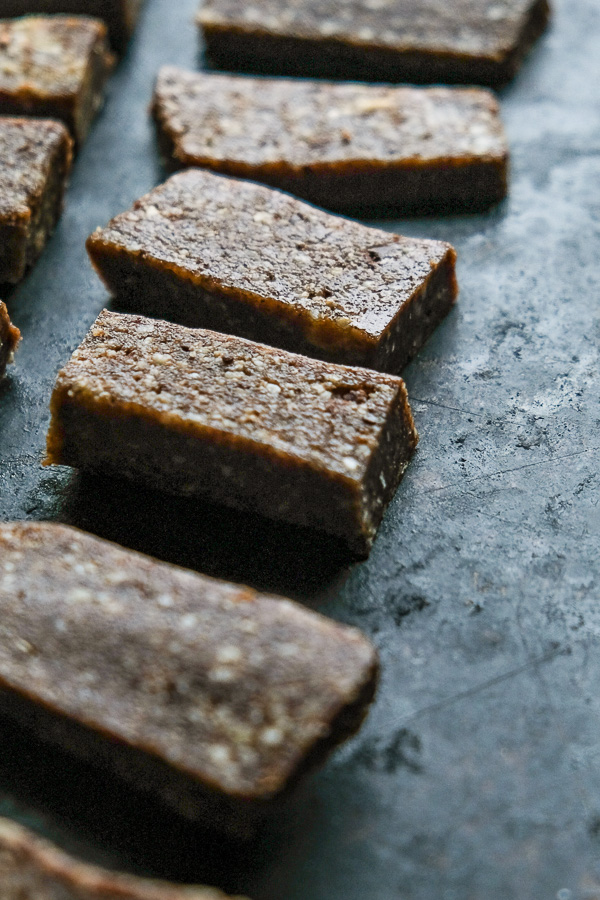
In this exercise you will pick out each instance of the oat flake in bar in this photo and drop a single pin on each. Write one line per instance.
(354, 148)
(34, 869)
(54, 67)
(9, 338)
(215, 252)
(209, 696)
(119, 15)
(194, 412)
(465, 41)
(35, 163)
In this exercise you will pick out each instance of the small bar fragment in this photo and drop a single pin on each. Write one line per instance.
(9, 338)
(194, 412)
(426, 41)
(32, 868)
(120, 16)
(362, 149)
(36, 161)
(54, 67)
(211, 697)
(209, 251)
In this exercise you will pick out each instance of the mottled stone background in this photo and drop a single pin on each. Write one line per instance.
(477, 775)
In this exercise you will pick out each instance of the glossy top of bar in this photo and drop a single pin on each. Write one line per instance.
(314, 412)
(234, 236)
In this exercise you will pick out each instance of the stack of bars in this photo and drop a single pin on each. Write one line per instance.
(255, 362)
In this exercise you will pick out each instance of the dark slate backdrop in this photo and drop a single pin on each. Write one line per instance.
(477, 775)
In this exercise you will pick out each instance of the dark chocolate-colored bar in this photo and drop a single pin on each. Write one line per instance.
(364, 149)
(194, 412)
(35, 163)
(34, 869)
(212, 697)
(9, 338)
(120, 16)
(54, 67)
(215, 252)
(428, 41)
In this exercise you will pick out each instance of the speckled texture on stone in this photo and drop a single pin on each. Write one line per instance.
(34, 869)
(428, 39)
(313, 137)
(195, 412)
(238, 257)
(476, 774)
(54, 66)
(36, 160)
(232, 690)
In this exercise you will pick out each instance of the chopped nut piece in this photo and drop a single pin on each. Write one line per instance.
(56, 67)
(180, 426)
(9, 338)
(36, 161)
(119, 15)
(34, 869)
(134, 685)
(466, 41)
(348, 147)
(202, 258)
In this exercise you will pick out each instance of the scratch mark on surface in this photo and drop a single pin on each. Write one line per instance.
(498, 679)
(534, 465)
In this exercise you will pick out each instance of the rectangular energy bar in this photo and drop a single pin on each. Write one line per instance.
(355, 148)
(34, 869)
(36, 161)
(55, 67)
(9, 338)
(429, 41)
(120, 16)
(212, 697)
(194, 412)
(215, 252)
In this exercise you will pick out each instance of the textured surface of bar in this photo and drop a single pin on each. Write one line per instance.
(36, 161)
(348, 147)
(55, 67)
(9, 338)
(211, 696)
(197, 412)
(214, 252)
(467, 41)
(34, 869)
(119, 15)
